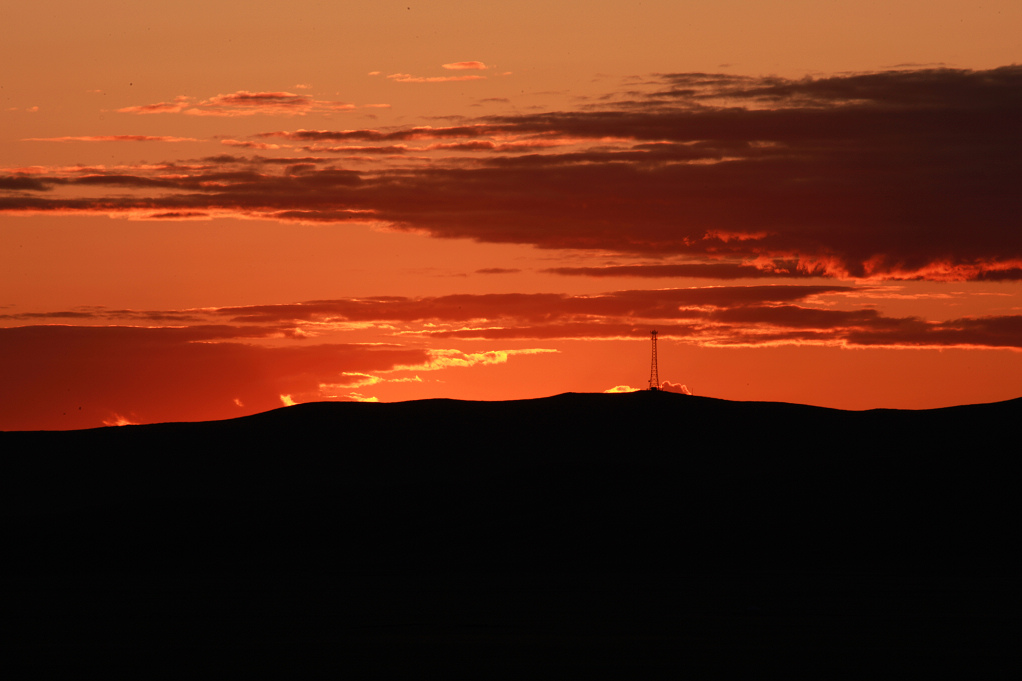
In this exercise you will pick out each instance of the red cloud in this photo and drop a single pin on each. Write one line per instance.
(725, 315)
(776, 269)
(890, 175)
(528, 307)
(369, 135)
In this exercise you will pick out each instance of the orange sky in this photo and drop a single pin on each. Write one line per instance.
(209, 210)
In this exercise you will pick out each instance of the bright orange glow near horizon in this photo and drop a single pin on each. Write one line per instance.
(209, 210)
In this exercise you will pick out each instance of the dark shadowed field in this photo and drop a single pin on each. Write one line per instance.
(635, 533)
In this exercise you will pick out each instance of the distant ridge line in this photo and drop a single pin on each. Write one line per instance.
(641, 396)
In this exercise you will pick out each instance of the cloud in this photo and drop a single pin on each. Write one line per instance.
(443, 358)
(392, 149)
(898, 175)
(370, 135)
(118, 420)
(716, 315)
(359, 397)
(975, 332)
(466, 65)
(667, 386)
(408, 78)
(249, 144)
(180, 215)
(711, 270)
(21, 183)
(179, 104)
(794, 316)
(243, 103)
(680, 303)
(609, 329)
(622, 389)
(710, 316)
(112, 138)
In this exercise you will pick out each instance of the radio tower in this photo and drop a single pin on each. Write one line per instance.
(654, 379)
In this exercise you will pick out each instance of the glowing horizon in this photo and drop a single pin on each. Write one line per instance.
(195, 226)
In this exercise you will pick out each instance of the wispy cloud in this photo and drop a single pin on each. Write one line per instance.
(112, 138)
(408, 78)
(243, 103)
(703, 270)
(466, 66)
(249, 144)
(179, 104)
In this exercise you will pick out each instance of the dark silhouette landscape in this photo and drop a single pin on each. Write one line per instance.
(581, 532)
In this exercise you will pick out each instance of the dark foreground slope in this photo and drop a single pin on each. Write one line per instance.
(587, 529)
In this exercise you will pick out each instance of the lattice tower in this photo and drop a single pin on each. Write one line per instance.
(654, 378)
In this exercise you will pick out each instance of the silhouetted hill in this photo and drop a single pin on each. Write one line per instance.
(642, 488)
(641, 480)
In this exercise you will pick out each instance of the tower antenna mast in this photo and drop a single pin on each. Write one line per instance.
(654, 378)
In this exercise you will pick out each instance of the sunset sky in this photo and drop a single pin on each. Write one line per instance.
(212, 209)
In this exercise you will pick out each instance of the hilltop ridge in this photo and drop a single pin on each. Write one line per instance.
(628, 519)
(773, 474)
